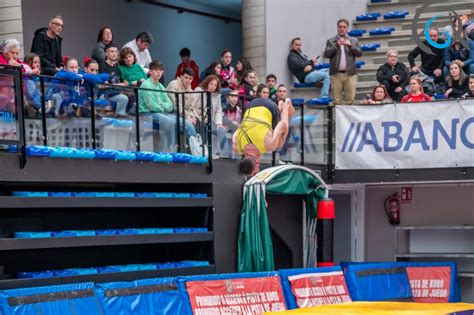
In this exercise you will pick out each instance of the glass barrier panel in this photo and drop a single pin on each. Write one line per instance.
(315, 135)
(291, 149)
(8, 115)
(32, 106)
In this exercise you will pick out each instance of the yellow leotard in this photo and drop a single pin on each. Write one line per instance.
(257, 121)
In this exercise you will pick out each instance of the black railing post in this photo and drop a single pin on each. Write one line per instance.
(209, 133)
(21, 118)
(137, 119)
(330, 152)
(302, 144)
(91, 91)
(203, 119)
(43, 112)
(178, 138)
(183, 115)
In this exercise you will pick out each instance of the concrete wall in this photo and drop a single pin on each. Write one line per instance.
(432, 205)
(206, 37)
(313, 21)
(11, 20)
(253, 34)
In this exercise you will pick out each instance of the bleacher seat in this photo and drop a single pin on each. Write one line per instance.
(382, 31)
(368, 17)
(370, 47)
(357, 33)
(395, 15)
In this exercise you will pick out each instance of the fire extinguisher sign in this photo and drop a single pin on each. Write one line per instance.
(406, 195)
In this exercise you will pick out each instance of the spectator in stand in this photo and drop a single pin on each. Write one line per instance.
(111, 67)
(431, 64)
(158, 104)
(214, 69)
(231, 120)
(455, 53)
(131, 71)
(263, 91)
(470, 90)
(91, 75)
(457, 81)
(227, 71)
(9, 56)
(416, 93)
(140, 45)
(394, 76)
(65, 93)
(342, 51)
(185, 55)
(182, 85)
(303, 68)
(243, 65)
(379, 96)
(32, 95)
(247, 86)
(271, 83)
(212, 85)
(104, 38)
(47, 44)
(280, 94)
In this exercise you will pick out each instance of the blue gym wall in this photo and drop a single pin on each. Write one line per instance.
(205, 36)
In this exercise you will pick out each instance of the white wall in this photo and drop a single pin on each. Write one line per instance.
(313, 21)
(206, 37)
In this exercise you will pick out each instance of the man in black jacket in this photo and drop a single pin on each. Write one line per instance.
(47, 44)
(303, 68)
(431, 64)
(394, 75)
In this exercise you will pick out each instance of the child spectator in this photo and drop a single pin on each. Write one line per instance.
(379, 96)
(213, 69)
(210, 84)
(470, 91)
(91, 75)
(132, 72)
(110, 66)
(231, 119)
(456, 81)
(227, 72)
(67, 107)
(246, 87)
(280, 94)
(157, 103)
(243, 65)
(32, 95)
(416, 92)
(104, 38)
(70, 81)
(185, 55)
(271, 83)
(263, 91)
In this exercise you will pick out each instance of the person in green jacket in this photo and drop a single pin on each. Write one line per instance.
(131, 71)
(154, 100)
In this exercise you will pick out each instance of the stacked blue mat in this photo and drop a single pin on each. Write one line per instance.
(109, 232)
(93, 194)
(109, 154)
(109, 269)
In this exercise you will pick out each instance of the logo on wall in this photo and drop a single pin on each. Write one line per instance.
(417, 37)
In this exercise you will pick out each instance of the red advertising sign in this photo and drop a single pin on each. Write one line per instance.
(249, 296)
(430, 284)
(313, 289)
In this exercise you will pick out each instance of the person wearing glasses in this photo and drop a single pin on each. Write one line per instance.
(47, 44)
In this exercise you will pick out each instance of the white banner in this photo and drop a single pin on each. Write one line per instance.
(415, 135)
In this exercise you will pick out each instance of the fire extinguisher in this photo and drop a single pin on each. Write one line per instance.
(392, 209)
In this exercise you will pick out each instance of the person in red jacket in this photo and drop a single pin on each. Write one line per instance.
(416, 92)
(185, 54)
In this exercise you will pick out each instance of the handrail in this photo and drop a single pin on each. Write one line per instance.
(207, 124)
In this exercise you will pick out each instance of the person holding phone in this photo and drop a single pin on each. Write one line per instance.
(394, 76)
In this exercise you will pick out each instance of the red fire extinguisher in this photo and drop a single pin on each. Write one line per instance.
(392, 209)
